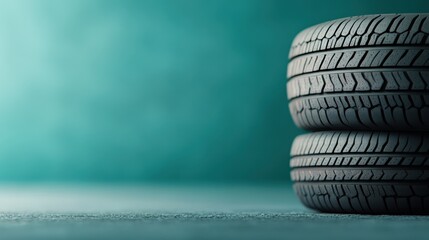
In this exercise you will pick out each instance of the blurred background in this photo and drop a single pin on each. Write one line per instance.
(153, 91)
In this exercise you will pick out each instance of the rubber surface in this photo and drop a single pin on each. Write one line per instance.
(362, 172)
(361, 73)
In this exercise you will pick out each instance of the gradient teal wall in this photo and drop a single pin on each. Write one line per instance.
(153, 90)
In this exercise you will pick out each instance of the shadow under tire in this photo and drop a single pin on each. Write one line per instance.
(362, 172)
(361, 73)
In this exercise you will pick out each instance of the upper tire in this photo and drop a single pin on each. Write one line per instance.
(361, 73)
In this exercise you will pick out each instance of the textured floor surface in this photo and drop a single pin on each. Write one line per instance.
(160, 212)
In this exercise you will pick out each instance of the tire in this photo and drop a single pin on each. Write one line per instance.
(361, 73)
(362, 172)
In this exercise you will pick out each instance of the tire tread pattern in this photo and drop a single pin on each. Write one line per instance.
(367, 30)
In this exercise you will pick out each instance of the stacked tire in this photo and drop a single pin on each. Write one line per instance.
(361, 84)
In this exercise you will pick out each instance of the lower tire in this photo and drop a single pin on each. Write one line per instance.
(362, 172)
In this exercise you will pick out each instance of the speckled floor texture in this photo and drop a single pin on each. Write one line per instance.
(183, 212)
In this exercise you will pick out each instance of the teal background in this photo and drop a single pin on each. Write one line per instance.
(160, 90)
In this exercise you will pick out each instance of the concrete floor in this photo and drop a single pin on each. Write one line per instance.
(183, 212)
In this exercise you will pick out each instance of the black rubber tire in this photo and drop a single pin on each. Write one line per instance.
(362, 172)
(361, 73)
